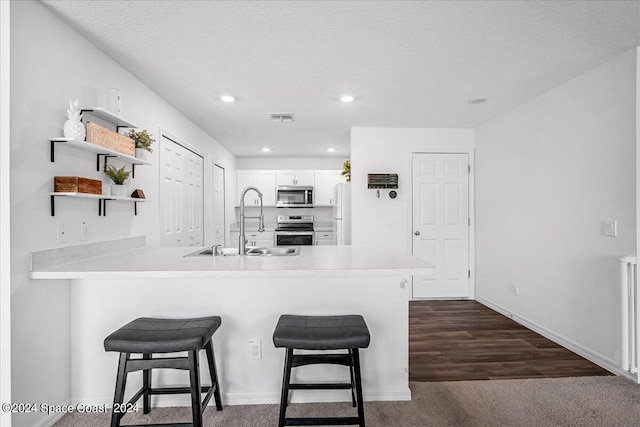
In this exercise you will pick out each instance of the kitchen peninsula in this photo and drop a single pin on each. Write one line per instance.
(109, 289)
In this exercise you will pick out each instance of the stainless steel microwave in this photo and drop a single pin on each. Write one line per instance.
(294, 196)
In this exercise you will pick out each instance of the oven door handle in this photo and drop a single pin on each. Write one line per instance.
(294, 233)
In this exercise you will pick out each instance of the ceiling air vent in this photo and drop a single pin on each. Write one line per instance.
(281, 117)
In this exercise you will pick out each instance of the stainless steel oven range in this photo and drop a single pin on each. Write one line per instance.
(294, 230)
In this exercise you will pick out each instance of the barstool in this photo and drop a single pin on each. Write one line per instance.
(147, 336)
(322, 333)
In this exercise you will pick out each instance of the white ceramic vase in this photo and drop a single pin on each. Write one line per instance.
(114, 100)
(141, 153)
(118, 190)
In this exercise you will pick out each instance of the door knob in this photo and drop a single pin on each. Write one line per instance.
(417, 233)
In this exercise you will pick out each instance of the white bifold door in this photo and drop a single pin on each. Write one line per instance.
(218, 205)
(441, 224)
(181, 195)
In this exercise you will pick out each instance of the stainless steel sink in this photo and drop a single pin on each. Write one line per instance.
(209, 252)
(277, 251)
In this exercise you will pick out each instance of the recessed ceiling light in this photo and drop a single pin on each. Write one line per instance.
(266, 150)
(228, 98)
(478, 100)
(331, 150)
(347, 98)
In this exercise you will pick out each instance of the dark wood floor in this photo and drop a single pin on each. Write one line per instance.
(464, 340)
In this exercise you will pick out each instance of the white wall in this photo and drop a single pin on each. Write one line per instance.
(548, 173)
(50, 64)
(274, 163)
(389, 150)
(5, 213)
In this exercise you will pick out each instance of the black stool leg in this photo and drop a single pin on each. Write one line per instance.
(214, 375)
(353, 382)
(284, 400)
(118, 397)
(146, 383)
(194, 376)
(356, 368)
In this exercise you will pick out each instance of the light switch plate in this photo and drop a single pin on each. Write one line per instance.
(610, 228)
(84, 231)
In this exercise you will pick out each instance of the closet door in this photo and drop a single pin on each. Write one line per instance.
(194, 199)
(181, 195)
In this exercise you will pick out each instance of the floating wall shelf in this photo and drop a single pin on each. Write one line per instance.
(101, 198)
(109, 117)
(99, 150)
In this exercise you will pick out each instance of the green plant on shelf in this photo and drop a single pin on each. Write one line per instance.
(142, 139)
(118, 176)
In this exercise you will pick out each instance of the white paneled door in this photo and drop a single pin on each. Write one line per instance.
(181, 195)
(441, 224)
(218, 205)
(195, 199)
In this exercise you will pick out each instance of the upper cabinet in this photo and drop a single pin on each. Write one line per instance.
(295, 178)
(263, 180)
(267, 181)
(325, 181)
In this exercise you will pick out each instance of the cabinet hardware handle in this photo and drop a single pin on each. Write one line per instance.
(417, 233)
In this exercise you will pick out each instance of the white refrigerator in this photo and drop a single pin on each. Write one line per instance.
(342, 213)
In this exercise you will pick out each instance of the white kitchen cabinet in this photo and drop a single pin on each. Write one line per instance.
(263, 180)
(325, 181)
(295, 178)
(325, 238)
(254, 238)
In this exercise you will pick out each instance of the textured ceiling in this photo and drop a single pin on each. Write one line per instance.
(409, 64)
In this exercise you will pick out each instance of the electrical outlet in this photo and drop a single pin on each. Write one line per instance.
(255, 349)
(62, 233)
(84, 232)
(515, 288)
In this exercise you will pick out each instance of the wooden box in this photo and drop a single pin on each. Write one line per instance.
(104, 137)
(77, 184)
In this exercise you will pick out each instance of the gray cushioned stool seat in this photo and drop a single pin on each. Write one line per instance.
(150, 335)
(321, 332)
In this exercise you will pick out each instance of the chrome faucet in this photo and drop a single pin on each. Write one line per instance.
(242, 249)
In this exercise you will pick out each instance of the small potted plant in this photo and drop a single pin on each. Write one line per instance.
(118, 176)
(143, 143)
(346, 170)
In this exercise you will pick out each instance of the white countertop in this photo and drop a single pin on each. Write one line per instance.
(169, 262)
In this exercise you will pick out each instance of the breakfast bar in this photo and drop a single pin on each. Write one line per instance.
(249, 293)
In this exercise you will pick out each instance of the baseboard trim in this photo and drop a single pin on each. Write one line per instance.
(591, 356)
(249, 398)
(51, 419)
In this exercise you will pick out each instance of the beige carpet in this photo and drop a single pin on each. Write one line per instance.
(582, 401)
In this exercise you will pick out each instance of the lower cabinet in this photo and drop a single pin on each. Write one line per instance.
(325, 238)
(254, 238)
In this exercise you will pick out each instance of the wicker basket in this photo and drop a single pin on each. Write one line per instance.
(106, 138)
